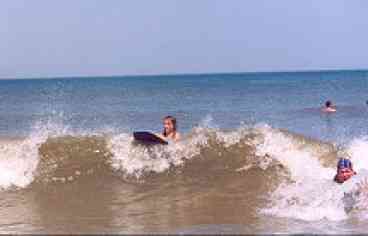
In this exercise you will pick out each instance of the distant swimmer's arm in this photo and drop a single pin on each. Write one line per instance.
(328, 110)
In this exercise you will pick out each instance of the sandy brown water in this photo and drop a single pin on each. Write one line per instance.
(108, 204)
(223, 188)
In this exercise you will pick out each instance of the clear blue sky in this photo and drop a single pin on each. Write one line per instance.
(43, 38)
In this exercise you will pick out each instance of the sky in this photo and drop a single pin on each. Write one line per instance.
(43, 38)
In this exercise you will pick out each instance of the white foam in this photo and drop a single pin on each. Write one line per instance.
(311, 194)
(301, 163)
(309, 201)
(358, 152)
(19, 157)
(234, 137)
(18, 160)
(135, 160)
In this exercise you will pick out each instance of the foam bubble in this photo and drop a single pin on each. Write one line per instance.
(312, 201)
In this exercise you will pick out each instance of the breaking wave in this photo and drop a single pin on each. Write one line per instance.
(297, 171)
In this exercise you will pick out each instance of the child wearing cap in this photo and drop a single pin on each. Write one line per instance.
(344, 170)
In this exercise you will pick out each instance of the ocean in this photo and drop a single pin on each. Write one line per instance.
(257, 154)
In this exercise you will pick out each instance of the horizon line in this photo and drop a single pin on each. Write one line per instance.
(186, 74)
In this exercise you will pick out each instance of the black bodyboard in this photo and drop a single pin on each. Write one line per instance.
(148, 138)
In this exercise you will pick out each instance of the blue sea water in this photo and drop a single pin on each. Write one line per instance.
(221, 178)
(284, 100)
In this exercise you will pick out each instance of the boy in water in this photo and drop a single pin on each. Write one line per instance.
(329, 108)
(344, 171)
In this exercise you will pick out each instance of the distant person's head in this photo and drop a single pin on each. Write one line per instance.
(328, 103)
(169, 125)
(366, 102)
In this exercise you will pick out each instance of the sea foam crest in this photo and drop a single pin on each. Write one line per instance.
(137, 160)
(310, 194)
(19, 157)
(358, 152)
